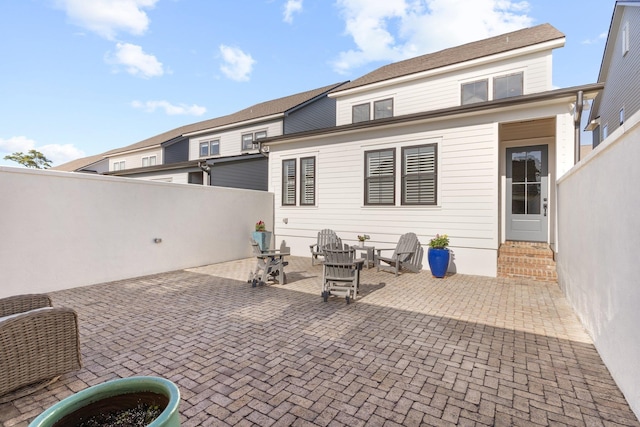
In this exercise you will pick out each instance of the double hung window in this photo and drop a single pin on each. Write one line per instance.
(306, 180)
(379, 177)
(381, 109)
(475, 92)
(507, 86)
(210, 148)
(418, 177)
(419, 186)
(249, 138)
(148, 161)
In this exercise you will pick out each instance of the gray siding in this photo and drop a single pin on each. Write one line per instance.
(317, 115)
(622, 79)
(177, 152)
(250, 174)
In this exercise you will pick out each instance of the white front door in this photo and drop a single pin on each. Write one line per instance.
(527, 193)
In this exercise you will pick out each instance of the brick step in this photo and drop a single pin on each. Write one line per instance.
(527, 260)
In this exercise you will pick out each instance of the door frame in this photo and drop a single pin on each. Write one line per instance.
(502, 180)
(539, 220)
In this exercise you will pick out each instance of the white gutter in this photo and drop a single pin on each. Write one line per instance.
(450, 68)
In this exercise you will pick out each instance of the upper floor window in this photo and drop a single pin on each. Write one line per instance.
(383, 108)
(475, 92)
(210, 148)
(419, 175)
(625, 38)
(249, 138)
(148, 161)
(507, 86)
(361, 113)
(118, 166)
(605, 131)
(379, 177)
(621, 115)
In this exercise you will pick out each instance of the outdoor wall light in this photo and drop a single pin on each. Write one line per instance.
(157, 240)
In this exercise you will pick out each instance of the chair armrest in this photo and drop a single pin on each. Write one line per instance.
(38, 345)
(22, 303)
(384, 249)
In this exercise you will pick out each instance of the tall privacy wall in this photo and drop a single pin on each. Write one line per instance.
(598, 255)
(61, 230)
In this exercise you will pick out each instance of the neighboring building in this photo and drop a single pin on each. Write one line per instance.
(619, 71)
(221, 151)
(468, 142)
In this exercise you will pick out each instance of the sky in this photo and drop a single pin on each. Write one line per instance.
(81, 77)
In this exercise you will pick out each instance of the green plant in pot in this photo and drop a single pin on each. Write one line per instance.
(262, 236)
(134, 401)
(439, 255)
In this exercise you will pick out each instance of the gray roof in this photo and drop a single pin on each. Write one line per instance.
(466, 52)
(263, 109)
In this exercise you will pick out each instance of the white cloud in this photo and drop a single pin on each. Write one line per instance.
(57, 153)
(237, 64)
(398, 29)
(108, 17)
(169, 109)
(291, 7)
(16, 144)
(601, 37)
(135, 60)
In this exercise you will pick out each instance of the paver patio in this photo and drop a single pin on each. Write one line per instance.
(413, 350)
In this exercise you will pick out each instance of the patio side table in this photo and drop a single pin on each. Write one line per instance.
(370, 252)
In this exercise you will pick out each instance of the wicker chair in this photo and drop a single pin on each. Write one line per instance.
(38, 343)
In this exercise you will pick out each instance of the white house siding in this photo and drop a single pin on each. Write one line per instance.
(231, 139)
(467, 192)
(134, 159)
(443, 90)
(176, 177)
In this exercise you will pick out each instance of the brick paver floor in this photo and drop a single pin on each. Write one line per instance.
(412, 350)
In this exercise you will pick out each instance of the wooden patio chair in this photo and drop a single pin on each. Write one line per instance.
(325, 237)
(340, 273)
(38, 343)
(407, 254)
(269, 265)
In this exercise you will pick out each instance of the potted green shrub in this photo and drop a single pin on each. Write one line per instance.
(439, 255)
(262, 236)
(134, 401)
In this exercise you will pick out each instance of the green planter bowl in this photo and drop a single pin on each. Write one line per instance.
(123, 392)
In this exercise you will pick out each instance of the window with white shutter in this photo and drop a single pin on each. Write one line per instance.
(289, 182)
(419, 167)
(379, 181)
(307, 181)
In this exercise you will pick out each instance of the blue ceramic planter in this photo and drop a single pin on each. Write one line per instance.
(116, 394)
(438, 261)
(263, 238)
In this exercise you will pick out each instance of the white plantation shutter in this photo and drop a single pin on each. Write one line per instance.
(308, 181)
(380, 177)
(419, 175)
(289, 182)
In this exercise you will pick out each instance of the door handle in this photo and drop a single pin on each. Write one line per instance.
(545, 209)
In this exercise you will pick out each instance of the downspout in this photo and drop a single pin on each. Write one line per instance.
(206, 168)
(577, 118)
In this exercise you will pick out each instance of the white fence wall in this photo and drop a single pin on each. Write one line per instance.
(61, 230)
(599, 243)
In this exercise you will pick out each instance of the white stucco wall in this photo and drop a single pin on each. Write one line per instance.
(62, 230)
(599, 243)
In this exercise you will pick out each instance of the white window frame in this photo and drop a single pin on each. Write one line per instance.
(475, 82)
(149, 161)
(118, 166)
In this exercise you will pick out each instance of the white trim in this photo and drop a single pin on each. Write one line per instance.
(450, 68)
(237, 124)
